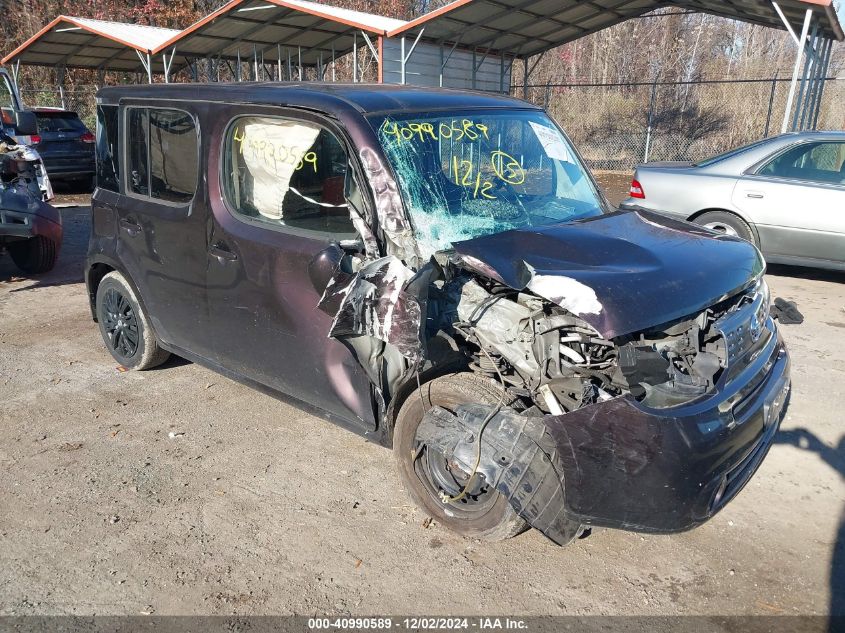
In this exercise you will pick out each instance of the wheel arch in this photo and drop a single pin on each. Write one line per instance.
(452, 365)
(96, 271)
(733, 212)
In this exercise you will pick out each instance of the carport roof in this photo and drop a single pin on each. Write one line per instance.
(247, 26)
(527, 27)
(86, 43)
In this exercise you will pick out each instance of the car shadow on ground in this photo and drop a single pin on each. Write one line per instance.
(835, 458)
(72, 187)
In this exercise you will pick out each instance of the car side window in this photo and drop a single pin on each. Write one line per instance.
(818, 162)
(162, 161)
(108, 156)
(286, 173)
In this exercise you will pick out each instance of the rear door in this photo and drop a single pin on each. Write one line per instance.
(277, 206)
(796, 199)
(161, 220)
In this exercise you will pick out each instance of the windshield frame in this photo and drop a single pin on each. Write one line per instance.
(377, 119)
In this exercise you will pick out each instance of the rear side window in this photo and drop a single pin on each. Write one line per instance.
(162, 154)
(283, 172)
(108, 155)
(818, 162)
(60, 122)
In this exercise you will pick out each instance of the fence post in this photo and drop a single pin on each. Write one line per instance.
(525, 79)
(771, 104)
(650, 120)
(61, 77)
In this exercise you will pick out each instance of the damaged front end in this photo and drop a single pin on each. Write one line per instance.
(23, 212)
(643, 376)
(653, 431)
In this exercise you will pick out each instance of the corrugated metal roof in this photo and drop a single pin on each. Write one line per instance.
(86, 43)
(527, 27)
(140, 36)
(520, 28)
(266, 26)
(376, 23)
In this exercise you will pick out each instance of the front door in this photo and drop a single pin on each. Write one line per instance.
(278, 211)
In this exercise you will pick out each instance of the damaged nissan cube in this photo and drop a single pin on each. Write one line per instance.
(438, 271)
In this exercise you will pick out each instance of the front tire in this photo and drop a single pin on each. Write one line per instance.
(487, 516)
(124, 326)
(34, 256)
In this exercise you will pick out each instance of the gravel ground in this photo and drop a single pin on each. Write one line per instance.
(177, 491)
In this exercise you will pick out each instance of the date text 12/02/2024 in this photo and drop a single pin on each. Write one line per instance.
(418, 623)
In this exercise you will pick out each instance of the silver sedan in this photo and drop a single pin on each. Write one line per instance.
(785, 194)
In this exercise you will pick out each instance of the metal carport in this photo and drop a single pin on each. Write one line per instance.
(509, 30)
(72, 42)
(278, 38)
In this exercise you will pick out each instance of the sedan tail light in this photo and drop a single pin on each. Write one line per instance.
(636, 190)
(87, 137)
(35, 139)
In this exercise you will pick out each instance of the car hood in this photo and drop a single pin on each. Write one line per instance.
(621, 272)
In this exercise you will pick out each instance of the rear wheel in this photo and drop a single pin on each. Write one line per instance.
(727, 223)
(34, 256)
(484, 514)
(124, 326)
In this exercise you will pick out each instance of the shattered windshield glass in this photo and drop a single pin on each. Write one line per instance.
(467, 174)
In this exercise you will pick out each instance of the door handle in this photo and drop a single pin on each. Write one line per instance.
(131, 227)
(754, 194)
(222, 252)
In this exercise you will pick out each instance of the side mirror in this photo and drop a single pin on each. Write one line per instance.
(26, 124)
(325, 265)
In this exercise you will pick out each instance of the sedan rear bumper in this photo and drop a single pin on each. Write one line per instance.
(618, 464)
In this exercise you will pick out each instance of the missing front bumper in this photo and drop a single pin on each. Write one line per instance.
(617, 464)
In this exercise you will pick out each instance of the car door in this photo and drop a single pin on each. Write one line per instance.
(161, 221)
(796, 200)
(276, 222)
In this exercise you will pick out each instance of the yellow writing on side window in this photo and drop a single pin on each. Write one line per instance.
(420, 132)
(270, 153)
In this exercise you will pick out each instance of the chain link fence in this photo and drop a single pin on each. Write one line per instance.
(79, 99)
(689, 121)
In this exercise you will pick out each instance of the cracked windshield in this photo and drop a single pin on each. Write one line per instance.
(463, 175)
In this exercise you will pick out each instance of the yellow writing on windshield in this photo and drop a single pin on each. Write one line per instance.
(456, 130)
(504, 166)
(507, 168)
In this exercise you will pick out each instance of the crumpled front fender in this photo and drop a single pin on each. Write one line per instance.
(615, 463)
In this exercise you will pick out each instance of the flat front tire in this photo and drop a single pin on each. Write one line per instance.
(488, 515)
(124, 326)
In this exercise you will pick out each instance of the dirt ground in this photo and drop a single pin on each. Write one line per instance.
(177, 491)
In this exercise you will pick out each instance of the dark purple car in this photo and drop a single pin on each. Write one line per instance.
(438, 271)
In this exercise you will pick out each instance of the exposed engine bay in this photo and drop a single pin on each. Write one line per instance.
(556, 361)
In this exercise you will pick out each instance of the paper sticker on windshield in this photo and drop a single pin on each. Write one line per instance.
(552, 142)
